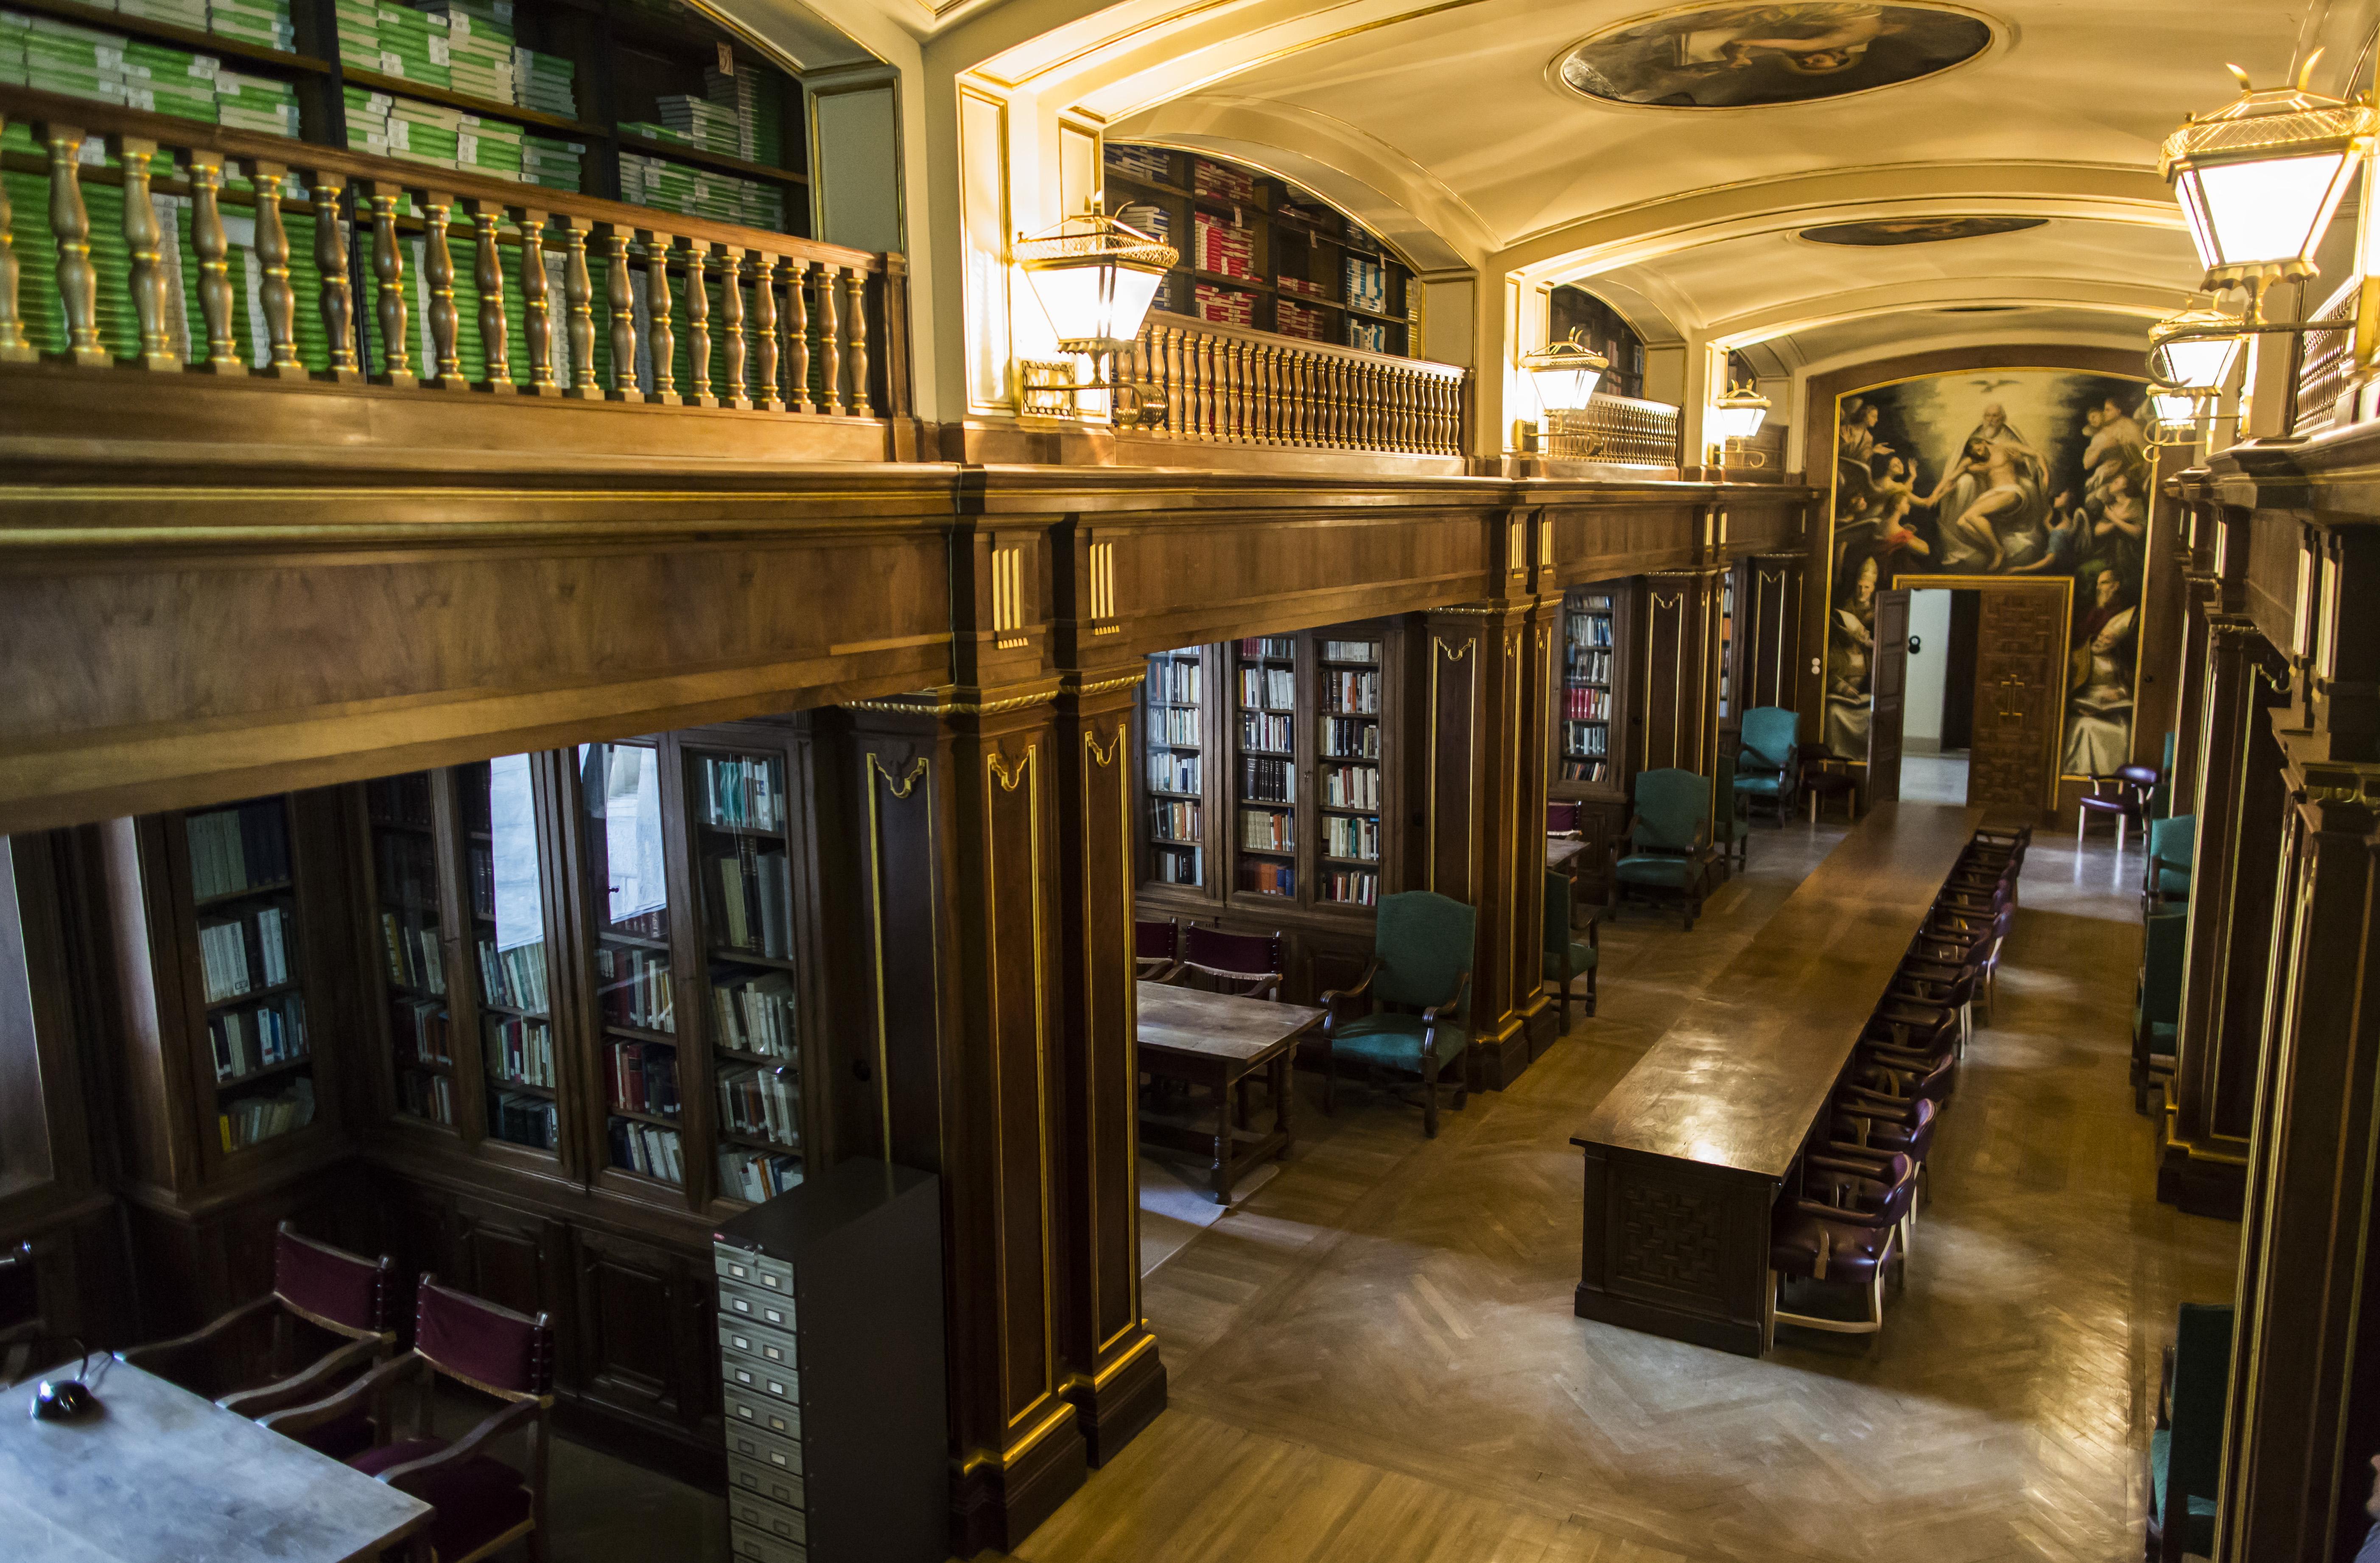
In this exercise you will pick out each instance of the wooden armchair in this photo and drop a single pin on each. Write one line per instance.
(1730, 820)
(483, 1504)
(317, 1289)
(1666, 850)
(1821, 775)
(1154, 944)
(1765, 770)
(1421, 971)
(1245, 964)
(1566, 957)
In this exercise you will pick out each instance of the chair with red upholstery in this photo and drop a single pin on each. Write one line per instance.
(317, 1292)
(1844, 1230)
(483, 1503)
(1245, 964)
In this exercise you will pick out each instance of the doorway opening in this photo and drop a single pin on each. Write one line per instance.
(1941, 710)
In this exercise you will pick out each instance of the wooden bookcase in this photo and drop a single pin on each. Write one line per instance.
(1593, 757)
(1601, 327)
(1730, 652)
(1307, 262)
(1296, 819)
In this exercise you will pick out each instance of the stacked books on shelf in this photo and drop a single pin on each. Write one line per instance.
(1355, 886)
(240, 954)
(252, 1119)
(1588, 704)
(1224, 306)
(520, 1051)
(248, 1040)
(1266, 730)
(1351, 690)
(396, 40)
(1268, 877)
(633, 987)
(753, 1012)
(759, 119)
(1349, 732)
(1178, 678)
(644, 1078)
(407, 875)
(1221, 181)
(700, 122)
(1179, 868)
(263, 23)
(695, 192)
(524, 1119)
(415, 959)
(1586, 688)
(478, 47)
(418, 1026)
(1304, 287)
(1175, 693)
(1149, 165)
(1346, 738)
(756, 1175)
(1271, 689)
(1296, 320)
(252, 103)
(1371, 336)
(427, 1096)
(81, 62)
(237, 849)
(551, 163)
(191, 14)
(1350, 651)
(1174, 820)
(648, 1148)
(433, 134)
(547, 83)
(751, 895)
(1265, 781)
(1367, 284)
(762, 1101)
(1172, 771)
(1266, 830)
(1351, 836)
(515, 978)
(1224, 249)
(1351, 786)
(742, 794)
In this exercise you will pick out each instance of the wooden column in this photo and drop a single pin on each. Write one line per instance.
(2203, 599)
(1769, 620)
(1676, 667)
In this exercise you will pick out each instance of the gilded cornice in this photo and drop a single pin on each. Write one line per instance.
(952, 700)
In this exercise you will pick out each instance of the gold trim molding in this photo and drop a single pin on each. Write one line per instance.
(942, 701)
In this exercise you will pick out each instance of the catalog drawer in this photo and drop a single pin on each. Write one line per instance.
(782, 1454)
(780, 1417)
(742, 1301)
(753, 1269)
(772, 1345)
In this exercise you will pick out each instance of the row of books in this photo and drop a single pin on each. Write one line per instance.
(1351, 738)
(1266, 732)
(1273, 689)
(239, 954)
(238, 848)
(401, 800)
(1170, 772)
(245, 1041)
(743, 794)
(1351, 786)
(418, 1027)
(253, 1119)
(1173, 681)
(696, 192)
(1267, 878)
(1179, 724)
(1367, 284)
(426, 1096)
(1350, 651)
(1586, 770)
(483, 880)
(765, 1102)
(1266, 781)
(754, 895)
(1222, 182)
(646, 1148)
(1223, 248)
(1296, 320)
(644, 1078)
(633, 987)
(1354, 887)
(1590, 667)
(519, 1118)
(408, 869)
(1588, 702)
(1170, 820)
(417, 958)
(1223, 306)
(1351, 836)
(755, 1014)
(1586, 740)
(756, 1175)
(1590, 628)
(82, 62)
(757, 112)
(1148, 165)
(1350, 689)
(515, 978)
(1271, 648)
(1371, 336)
(1178, 865)
(1263, 830)
(520, 1051)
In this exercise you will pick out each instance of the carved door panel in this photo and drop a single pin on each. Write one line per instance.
(517, 1261)
(2019, 689)
(1889, 680)
(638, 1310)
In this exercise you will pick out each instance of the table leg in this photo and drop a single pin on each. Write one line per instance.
(1223, 1178)
(1285, 1089)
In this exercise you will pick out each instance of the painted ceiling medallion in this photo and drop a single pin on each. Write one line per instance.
(1747, 56)
(1917, 230)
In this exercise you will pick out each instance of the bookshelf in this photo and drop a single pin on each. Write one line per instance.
(1728, 714)
(629, 964)
(1265, 812)
(1259, 251)
(1591, 692)
(255, 1023)
(409, 926)
(1173, 725)
(1347, 771)
(505, 883)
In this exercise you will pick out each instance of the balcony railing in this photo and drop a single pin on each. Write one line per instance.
(188, 247)
(1617, 429)
(1226, 383)
(2323, 362)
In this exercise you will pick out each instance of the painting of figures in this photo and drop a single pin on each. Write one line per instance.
(2028, 474)
(1791, 52)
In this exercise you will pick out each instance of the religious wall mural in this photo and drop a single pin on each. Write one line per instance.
(1745, 56)
(2018, 472)
(1917, 230)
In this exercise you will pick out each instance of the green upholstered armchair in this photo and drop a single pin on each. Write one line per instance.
(1666, 850)
(1766, 772)
(2173, 842)
(1566, 958)
(2157, 1011)
(1407, 1011)
(2186, 1448)
(1731, 826)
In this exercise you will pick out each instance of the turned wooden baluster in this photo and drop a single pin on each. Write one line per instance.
(737, 391)
(857, 281)
(1328, 391)
(537, 305)
(697, 325)
(764, 334)
(1210, 387)
(338, 296)
(1259, 393)
(205, 171)
(488, 276)
(1177, 411)
(797, 336)
(388, 272)
(620, 306)
(438, 272)
(578, 299)
(71, 222)
(14, 346)
(272, 252)
(144, 246)
(1367, 407)
(1233, 379)
(1301, 411)
(660, 333)
(830, 340)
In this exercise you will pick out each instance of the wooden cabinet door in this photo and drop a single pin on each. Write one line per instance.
(1889, 680)
(640, 1311)
(515, 1261)
(2020, 695)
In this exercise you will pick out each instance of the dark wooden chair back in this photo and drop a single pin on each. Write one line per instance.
(1246, 964)
(342, 1292)
(475, 1342)
(1155, 944)
(1561, 819)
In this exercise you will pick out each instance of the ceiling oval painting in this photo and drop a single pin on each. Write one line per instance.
(1750, 57)
(1917, 230)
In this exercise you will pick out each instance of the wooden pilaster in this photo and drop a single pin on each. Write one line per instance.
(1769, 620)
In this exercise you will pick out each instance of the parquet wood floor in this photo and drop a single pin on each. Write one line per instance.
(1375, 1358)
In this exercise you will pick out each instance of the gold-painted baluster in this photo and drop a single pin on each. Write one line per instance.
(438, 271)
(338, 296)
(71, 221)
(620, 300)
(1294, 374)
(14, 346)
(388, 273)
(578, 299)
(488, 276)
(731, 326)
(1170, 361)
(205, 171)
(764, 331)
(697, 325)
(537, 305)
(661, 332)
(279, 298)
(144, 246)
(855, 324)
(1206, 350)
(797, 335)
(830, 340)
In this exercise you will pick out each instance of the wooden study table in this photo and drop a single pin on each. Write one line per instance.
(1219, 1040)
(1686, 1154)
(158, 1472)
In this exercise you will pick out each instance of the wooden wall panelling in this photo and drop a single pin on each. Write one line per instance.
(1675, 719)
(2020, 693)
(1769, 625)
(2164, 617)
(644, 1319)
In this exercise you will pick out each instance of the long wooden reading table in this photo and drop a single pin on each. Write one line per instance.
(1686, 1156)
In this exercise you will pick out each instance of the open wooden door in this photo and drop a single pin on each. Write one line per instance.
(2020, 695)
(1888, 679)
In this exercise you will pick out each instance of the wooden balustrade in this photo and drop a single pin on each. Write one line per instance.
(1228, 382)
(694, 314)
(2323, 362)
(1621, 430)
